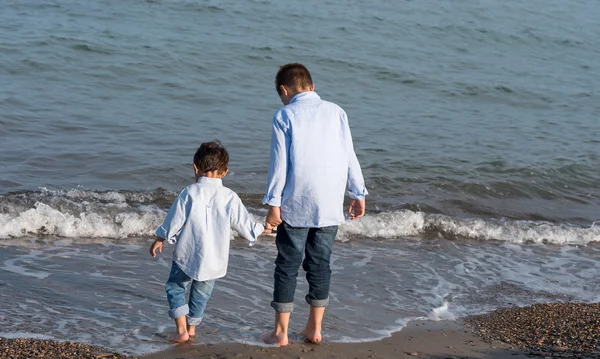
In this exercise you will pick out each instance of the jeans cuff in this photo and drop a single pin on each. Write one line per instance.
(283, 307)
(179, 311)
(194, 321)
(317, 302)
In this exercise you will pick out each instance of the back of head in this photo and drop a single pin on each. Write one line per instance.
(211, 156)
(294, 76)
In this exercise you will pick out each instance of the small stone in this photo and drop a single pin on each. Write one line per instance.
(413, 354)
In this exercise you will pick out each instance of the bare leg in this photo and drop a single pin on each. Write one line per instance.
(279, 335)
(312, 332)
(182, 333)
(191, 329)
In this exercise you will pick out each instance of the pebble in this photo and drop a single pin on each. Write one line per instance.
(566, 330)
(45, 349)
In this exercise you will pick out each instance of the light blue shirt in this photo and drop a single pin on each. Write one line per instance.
(199, 224)
(312, 161)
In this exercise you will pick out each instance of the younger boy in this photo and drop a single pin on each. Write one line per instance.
(199, 224)
(312, 161)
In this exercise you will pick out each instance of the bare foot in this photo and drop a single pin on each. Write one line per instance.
(311, 335)
(180, 338)
(274, 338)
(191, 329)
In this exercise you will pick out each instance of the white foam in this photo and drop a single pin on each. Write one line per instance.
(407, 223)
(441, 313)
(46, 220)
(385, 225)
(108, 215)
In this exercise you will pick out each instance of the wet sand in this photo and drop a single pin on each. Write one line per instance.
(447, 339)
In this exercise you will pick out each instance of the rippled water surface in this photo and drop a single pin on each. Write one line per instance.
(471, 107)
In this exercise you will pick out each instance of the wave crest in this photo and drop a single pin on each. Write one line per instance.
(405, 223)
(123, 214)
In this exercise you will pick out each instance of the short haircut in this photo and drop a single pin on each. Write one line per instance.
(211, 156)
(294, 75)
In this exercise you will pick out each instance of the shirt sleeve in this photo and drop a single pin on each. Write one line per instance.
(243, 222)
(175, 219)
(278, 164)
(356, 182)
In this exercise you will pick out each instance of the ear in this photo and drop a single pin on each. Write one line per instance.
(284, 91)
(196, 170)
(312, 87)
(224, 173)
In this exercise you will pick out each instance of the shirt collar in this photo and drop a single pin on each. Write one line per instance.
(305, 96)
(210, 181)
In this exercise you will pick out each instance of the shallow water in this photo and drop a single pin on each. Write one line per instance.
(112, 294)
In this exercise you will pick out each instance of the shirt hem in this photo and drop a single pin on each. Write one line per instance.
(301, 224)
(187, 272)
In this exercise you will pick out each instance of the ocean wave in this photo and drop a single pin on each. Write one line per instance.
(407, 223)
(123, 214)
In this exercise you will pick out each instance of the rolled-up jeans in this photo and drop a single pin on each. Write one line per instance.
(292, 243)
(199, 295)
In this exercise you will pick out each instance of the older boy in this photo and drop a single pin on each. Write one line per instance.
(312, 160)
(199, 223)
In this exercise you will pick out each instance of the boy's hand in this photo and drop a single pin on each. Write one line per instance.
(357, 208)
(273, 218)
(156, 246)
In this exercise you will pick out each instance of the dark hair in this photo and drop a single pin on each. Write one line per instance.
(294, 76)
(211, 156)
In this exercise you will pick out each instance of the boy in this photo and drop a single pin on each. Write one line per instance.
(199, 224)
(312, 160)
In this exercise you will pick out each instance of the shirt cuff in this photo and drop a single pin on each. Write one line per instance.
(162, 233)
(256, 231)
(360, 195)
(272, 201)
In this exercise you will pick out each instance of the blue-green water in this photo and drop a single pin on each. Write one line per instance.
(476, 120)
(478, 104)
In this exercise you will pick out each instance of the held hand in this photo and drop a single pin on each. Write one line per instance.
(273, 218)
(156, 246)
(267, 229)
(357, 208)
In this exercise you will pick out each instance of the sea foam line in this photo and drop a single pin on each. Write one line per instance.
(105, 220)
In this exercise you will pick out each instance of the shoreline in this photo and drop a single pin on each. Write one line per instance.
(551, 330)
(419, 339)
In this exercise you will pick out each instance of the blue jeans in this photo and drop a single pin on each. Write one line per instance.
(199, 294)
(292, 243)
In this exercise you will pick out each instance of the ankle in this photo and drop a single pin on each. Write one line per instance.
(280, 331)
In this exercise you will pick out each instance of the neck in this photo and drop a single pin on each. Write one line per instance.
(286, 99)
(210, 174)
(300, 91)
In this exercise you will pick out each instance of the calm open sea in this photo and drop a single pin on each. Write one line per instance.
(477, 124)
